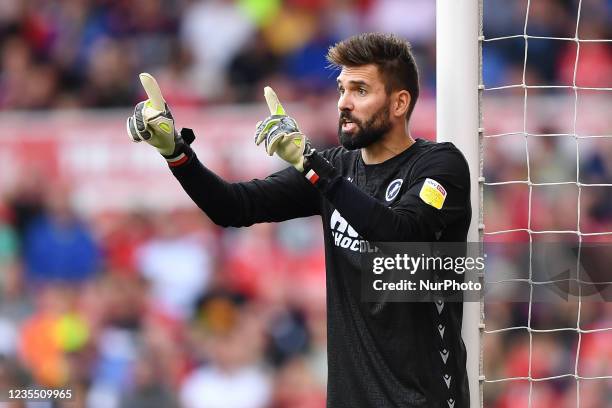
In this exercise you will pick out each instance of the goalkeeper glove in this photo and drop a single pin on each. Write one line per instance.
(153, 122)
(281, 133)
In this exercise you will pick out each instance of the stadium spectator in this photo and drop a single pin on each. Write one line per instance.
(233, 377)
(58, 246)
(177, 265)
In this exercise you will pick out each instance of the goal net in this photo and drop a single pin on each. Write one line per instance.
(546, 178)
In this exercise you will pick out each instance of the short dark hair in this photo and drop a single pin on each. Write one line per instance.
(391, 54)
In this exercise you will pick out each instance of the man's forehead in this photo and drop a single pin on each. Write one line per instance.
(363, 73)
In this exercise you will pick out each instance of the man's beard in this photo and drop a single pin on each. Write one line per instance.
(366, 134)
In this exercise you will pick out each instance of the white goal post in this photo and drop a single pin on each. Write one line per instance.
(458, 74)
(460, 88)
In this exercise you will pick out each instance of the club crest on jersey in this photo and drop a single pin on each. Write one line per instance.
(433, 193)
(393, 189)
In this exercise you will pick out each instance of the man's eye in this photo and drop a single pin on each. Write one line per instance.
(340, 91)
(361, 91)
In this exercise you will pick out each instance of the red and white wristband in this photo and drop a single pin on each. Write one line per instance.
(312, 176)
(187, 137)
(178, 160)
(317, 170)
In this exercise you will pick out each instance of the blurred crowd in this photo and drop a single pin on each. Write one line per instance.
(161, 308)
(553, 349)
(546, 61)
(86, 53)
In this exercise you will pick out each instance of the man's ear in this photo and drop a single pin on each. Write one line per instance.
(401, 103)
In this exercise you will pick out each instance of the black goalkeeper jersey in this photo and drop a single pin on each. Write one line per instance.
(395, 354)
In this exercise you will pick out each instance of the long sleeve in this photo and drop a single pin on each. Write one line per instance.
(281, 196)
(411, 218)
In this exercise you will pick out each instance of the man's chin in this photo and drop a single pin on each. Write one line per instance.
(349, 140)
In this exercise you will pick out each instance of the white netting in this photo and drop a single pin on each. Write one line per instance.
(581, 233)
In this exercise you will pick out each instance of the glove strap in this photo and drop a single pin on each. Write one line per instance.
(187, 135)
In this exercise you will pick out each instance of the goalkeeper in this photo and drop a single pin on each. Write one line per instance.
(379, 185)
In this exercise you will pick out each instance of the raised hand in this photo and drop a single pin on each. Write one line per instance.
(152, 120)
(281, 133)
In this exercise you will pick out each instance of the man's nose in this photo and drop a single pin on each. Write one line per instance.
(345, 102)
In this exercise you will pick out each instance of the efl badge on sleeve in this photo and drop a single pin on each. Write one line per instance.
(433, 193)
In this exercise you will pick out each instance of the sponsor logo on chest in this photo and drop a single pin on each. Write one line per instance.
(345, 236)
